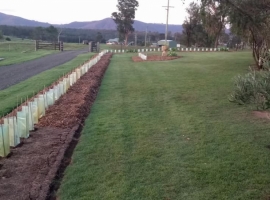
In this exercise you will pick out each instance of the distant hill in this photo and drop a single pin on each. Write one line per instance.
(11, 20)
(104, 24)
(108, 24)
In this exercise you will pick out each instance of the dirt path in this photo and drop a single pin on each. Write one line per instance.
(31, 169)
(13, 74)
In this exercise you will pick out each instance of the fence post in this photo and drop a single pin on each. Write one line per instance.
(36, 45)
(90, 46)
(61, 46)
(98, 47)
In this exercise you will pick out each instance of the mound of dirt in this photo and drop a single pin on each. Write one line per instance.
(31, 169)
(154, 58)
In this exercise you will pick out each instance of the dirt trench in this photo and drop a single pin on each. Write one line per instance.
(34, 169)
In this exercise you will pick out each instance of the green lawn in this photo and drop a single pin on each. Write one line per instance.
(20, 51)
(74, 46)
(36, 83)
(166, 130)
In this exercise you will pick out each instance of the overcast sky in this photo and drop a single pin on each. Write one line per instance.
(66, 11)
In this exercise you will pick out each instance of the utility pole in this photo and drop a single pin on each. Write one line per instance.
(145, 36)
(135, 39)
(79, 39)
(168, 9)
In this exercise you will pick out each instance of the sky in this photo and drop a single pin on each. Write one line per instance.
(66, 11)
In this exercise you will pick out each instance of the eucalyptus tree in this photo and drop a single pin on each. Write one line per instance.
(214, 15)
(124, 18)
(249, 19)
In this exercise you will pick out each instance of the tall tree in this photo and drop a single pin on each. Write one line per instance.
(214, 15)
(193, 29)
(124, 18)
(190, 23)
(251, 20)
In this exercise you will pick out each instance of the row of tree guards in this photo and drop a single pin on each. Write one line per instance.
(18, 124)
(159, 49)
(142, 56)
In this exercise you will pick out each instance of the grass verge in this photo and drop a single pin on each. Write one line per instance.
(36, 83)
(166, 130)
(18, 52)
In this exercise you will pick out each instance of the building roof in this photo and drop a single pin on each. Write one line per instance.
(113, 40)
(165, 40)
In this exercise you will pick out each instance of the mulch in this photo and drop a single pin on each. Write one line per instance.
(154, 58)
(28, 173)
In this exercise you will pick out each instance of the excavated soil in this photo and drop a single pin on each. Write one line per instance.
(154, 58)
(31, 169)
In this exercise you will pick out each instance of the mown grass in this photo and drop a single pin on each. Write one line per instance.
(74, 46)
(166, 130)
(20, 51)
(18, 92)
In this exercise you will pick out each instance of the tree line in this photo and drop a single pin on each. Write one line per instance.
(78, 35)
(206, 21)
(249, 20)
(74, 35)
(52, 33)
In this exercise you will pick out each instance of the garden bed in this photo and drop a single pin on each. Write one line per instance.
(32, 167)
(154, 58)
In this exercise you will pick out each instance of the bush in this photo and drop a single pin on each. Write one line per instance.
(174, 49)
(172, 54)
(131, 50)
(252, 88)
(8, 39)
(224, 49)
(266, 61)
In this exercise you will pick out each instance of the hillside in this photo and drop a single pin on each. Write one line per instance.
(104, 24)
(11, 20)
(108, 24)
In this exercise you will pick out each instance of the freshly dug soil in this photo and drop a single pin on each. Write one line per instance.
(74, 106)
(30, 170)
(154, 58)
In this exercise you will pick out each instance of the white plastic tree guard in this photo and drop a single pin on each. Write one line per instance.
(142, 56)
(4, 140)
(19, 126)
